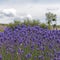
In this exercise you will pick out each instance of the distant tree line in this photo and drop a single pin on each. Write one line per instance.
(50, 18)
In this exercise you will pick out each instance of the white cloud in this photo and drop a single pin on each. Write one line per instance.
(29, 16)
(8, 12)
(7, 15)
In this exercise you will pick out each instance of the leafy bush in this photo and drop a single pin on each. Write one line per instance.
(28, 22)
(43, 25)
(14, 24)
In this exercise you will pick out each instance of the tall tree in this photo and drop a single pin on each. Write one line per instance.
(50, 17)
(54, 20)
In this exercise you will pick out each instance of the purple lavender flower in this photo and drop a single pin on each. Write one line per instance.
(0, 57)
(28, 55)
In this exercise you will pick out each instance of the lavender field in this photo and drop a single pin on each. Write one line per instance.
(29, 29)
(29, 43)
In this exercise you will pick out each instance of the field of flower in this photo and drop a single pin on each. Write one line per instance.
(29, 43)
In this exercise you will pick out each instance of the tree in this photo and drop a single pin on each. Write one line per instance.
(54, 20)
(50, 17)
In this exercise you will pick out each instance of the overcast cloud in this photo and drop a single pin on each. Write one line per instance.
(34, 8)
(30, 1)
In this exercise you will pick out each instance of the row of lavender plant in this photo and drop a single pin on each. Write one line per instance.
(29, 43)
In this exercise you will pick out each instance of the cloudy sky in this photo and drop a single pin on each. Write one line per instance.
(16, 9)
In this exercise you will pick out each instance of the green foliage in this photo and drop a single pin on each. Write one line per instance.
(32, 23)
(43, 25)
(50, 17)
(36, 22)
(1, 30)
(14, 24)
(28, 22)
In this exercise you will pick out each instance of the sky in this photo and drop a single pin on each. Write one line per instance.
(18, 9)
